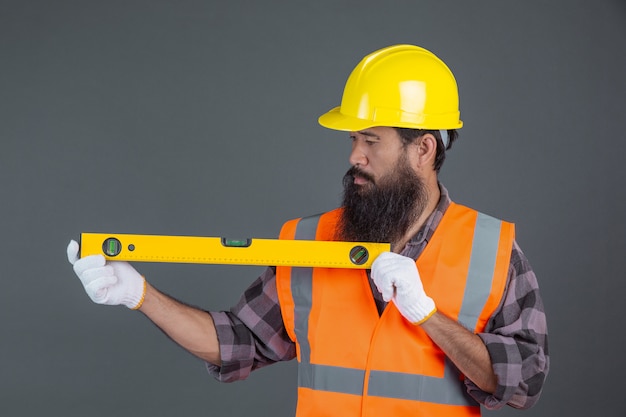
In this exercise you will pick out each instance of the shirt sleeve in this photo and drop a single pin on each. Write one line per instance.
(516, 339)
(252, 334)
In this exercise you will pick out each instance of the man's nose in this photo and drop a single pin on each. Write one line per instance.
(358, 155)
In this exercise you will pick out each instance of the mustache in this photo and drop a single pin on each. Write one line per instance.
(356, 171)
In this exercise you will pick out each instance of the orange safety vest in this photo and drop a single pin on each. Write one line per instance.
(353, 361)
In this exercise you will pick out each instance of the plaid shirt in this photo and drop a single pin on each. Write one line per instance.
(252, 333)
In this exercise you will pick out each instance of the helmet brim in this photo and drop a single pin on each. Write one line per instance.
(334, 119)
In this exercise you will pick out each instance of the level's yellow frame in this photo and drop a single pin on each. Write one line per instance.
(212, 250)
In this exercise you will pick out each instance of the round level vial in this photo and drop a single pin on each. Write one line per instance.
(359, 255)
(112, 246)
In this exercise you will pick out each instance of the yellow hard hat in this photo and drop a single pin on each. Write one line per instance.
(398, 86)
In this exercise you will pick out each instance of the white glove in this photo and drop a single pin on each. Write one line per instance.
(111, 283)
(398, 280)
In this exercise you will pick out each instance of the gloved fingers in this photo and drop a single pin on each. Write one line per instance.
(409, 279)
(93, 274)
(390, 263)
(72, 251)
(398, 279)
(98, 289)
(124, 269)
(393, 262)
(385, 285)
(388, 292)
(383, 280)
(89, 262)
(393, 274)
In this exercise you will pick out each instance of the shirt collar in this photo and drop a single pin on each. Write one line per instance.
(428, 228)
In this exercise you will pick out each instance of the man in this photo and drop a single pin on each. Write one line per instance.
(450, 319)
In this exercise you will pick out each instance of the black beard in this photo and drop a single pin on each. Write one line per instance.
(381, 212)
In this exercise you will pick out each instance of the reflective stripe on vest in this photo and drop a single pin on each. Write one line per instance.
(447, 390)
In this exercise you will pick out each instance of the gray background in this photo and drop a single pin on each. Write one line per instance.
(200, 118)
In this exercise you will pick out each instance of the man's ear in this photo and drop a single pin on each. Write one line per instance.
(424, 152)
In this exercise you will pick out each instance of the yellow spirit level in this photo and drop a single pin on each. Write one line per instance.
(218, 250)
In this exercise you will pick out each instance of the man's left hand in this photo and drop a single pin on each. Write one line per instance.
(398, 280)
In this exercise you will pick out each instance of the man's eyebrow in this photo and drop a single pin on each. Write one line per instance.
(368, 133)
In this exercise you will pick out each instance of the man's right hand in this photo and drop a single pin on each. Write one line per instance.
(108, 282)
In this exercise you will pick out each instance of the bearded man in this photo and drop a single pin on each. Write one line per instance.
(450, 319)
